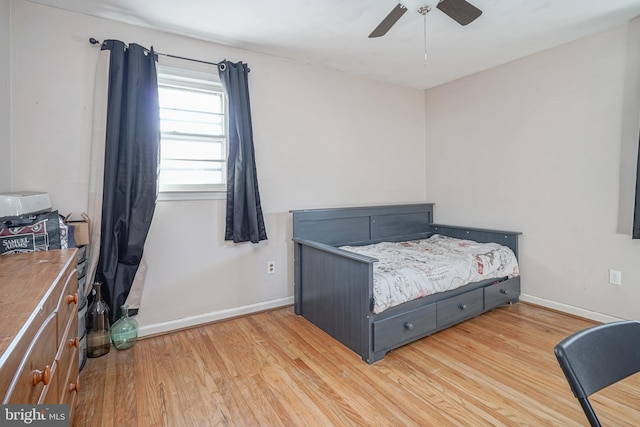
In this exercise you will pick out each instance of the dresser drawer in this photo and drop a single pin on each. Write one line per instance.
(70, 397)
(404, 327)
(69, 382)
(67, 356)
(460, 307)
(35, 377)
(501, 293)
(40, 327)
(68, 302)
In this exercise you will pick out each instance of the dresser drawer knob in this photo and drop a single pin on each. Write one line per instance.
(72, 299)
(42, 376)
(408, 326)
(462, 306)
(504, 291)
(74, 387)
(74, 343)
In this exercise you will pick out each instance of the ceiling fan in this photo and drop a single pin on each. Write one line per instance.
(460, 11)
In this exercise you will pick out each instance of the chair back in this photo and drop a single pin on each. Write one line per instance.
(597, 357)
(600, 356)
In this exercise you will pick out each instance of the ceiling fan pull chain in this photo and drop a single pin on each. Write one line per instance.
(423, 10)
(425, 36)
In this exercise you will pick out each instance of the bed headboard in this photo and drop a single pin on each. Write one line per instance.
(372, 224)
(363, 225)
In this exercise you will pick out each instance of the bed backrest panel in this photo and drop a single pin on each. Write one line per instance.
(399, 225)
(505, 238)
(362, 225)
(333, 231)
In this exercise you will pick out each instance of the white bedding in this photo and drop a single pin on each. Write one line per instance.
(410, 270)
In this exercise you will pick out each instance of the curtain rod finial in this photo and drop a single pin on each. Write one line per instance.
(93, 41)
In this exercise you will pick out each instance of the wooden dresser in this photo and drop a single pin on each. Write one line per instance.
(39, 328)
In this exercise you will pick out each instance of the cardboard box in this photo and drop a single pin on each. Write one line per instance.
(80, 229)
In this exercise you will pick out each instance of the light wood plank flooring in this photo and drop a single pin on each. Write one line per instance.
(276, 369)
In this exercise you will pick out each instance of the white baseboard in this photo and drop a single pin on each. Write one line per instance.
(187, 322)
(570, 309)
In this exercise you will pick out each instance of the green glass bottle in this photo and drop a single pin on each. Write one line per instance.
(125, 330)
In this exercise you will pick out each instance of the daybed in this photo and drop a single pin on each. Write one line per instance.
(334, 287)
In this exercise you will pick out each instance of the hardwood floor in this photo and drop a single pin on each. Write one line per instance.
(276, 369)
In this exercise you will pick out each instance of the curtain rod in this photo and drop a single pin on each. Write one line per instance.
(95, 41)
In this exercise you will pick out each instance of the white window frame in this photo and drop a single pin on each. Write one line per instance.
(197, 80)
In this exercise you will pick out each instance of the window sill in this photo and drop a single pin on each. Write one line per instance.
(174, 196)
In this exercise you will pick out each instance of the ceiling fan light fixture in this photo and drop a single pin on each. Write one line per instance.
(460, 11)
(423, 10)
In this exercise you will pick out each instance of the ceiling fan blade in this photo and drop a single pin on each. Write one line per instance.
(460, 11)
(389, 21)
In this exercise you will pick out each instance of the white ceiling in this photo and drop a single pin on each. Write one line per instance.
(333, 33)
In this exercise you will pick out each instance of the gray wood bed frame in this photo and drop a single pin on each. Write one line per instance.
(334, 287)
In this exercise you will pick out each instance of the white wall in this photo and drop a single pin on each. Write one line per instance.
(322, 138)
(5, 98)
(547, 145)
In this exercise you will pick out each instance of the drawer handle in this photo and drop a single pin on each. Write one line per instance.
(42, 376)
(408, 325)
(504, 291)
(462, 306)
(74, 387)
(72, 298)
(74, 343)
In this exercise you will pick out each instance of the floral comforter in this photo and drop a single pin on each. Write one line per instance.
(414, 269)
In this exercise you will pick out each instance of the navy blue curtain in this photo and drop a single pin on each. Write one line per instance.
(130, 169)
(636, 213)
(244, 220)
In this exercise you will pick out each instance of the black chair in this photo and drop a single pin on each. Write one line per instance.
(597, 357)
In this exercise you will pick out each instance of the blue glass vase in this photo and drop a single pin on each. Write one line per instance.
(124, 331)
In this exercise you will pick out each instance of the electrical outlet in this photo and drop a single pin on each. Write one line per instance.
(271, 267)
(615, 277)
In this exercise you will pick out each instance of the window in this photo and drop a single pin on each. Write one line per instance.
(193, 127)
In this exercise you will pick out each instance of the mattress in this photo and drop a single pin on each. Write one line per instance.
(409, 270)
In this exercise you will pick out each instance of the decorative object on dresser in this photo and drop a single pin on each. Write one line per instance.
(39, 328)
(335, 289)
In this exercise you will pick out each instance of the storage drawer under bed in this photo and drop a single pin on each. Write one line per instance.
(404, 327)
(501, 293)
(460, 307)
